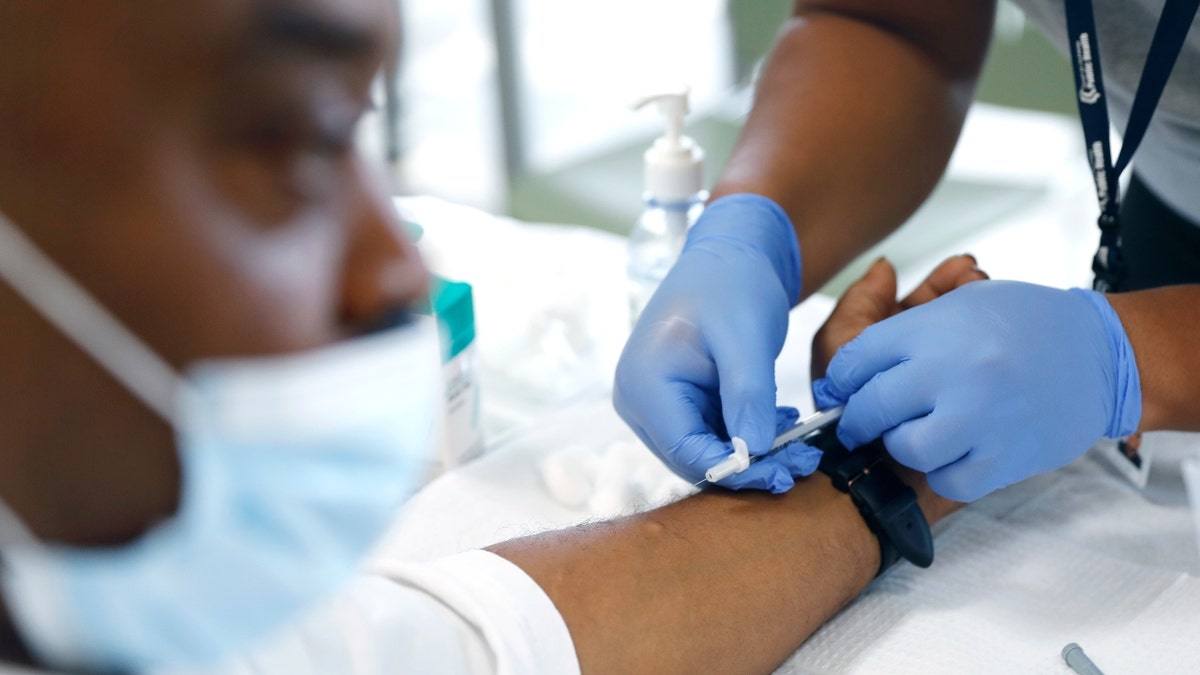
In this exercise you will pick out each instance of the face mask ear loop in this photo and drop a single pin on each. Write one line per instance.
(66, 305)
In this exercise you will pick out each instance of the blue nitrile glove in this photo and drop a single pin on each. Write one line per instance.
(699, 367)
(989, 384)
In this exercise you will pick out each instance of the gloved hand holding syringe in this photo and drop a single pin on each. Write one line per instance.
(741, 459)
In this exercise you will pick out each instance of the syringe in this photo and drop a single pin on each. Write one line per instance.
(740, 459)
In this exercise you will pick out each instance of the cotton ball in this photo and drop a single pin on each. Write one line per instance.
(669, 488)
(653, 483)
(618, 490)
(614, 496)
(570, 475)
(648, 469)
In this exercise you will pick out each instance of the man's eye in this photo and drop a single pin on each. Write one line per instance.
(286, 151)
(294, 133)
(334, 127)
(332, 139)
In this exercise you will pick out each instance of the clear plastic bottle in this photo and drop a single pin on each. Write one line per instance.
(655, 243)
(674, 198)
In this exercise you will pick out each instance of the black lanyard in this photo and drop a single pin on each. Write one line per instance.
(1168, 40)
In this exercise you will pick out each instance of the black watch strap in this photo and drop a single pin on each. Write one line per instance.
(888, 506)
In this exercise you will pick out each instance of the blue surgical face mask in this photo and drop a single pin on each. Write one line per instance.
(292, 466)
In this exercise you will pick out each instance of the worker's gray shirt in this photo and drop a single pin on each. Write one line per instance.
(1168, 159)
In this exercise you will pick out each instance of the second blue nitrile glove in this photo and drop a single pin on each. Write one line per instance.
(987, 385)
(699, 367)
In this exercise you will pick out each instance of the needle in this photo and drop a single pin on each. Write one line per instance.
(739, 460)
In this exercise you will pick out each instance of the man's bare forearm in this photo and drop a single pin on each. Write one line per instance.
(855, 117)
(721, 582)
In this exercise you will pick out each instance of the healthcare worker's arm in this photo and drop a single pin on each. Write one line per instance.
(856, 113)
(726, 582)
(855, 116)
(1163, 326)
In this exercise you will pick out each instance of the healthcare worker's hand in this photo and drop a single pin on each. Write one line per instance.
(872, 299)
(699, 367)
(988, 385)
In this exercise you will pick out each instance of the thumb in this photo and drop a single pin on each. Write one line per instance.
(872, 298)
(744, 347)
(867, 301)
(748, 406)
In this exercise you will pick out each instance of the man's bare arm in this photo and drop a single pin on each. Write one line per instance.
(857, 111)
(723, 582)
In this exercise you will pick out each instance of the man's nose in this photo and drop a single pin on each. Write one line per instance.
(383, 270)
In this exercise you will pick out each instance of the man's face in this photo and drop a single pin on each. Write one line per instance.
(191, 163)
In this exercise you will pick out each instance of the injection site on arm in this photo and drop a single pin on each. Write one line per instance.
(740, 459)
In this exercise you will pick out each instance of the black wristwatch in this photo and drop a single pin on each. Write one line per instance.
(888, 506)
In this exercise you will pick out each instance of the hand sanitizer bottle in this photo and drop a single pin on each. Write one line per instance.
(674, 198)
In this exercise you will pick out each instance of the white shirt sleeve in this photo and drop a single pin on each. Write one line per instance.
(470, 613)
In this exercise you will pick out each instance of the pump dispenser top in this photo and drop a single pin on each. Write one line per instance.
(672, 201)
(674, 164)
